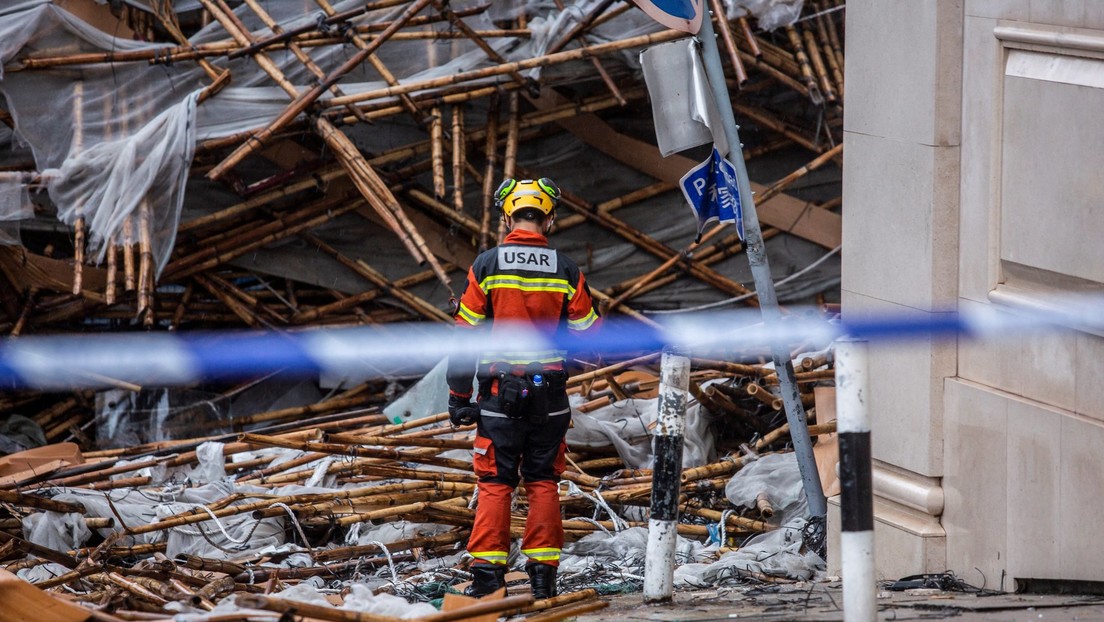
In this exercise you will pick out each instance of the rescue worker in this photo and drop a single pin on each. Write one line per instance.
(522, 412)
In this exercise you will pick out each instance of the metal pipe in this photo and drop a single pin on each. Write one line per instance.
(764, 287)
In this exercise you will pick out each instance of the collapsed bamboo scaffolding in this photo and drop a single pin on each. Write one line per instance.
(385, 470)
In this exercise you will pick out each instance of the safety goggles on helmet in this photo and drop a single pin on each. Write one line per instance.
(513, 195)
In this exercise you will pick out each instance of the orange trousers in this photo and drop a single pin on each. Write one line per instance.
(505, 452)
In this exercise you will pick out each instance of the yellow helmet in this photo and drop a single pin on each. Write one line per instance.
(541, 194)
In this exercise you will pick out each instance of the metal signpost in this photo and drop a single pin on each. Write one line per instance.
(674, 14)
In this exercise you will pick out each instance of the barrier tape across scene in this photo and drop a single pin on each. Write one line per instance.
(172, 359)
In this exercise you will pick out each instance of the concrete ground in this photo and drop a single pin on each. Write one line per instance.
(819, 602)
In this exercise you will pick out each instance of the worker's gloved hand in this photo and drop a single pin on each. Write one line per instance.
(461, 411)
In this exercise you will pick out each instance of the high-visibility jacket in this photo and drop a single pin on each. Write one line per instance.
(521, 281)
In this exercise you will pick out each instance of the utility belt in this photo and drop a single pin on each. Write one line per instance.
(525, 396)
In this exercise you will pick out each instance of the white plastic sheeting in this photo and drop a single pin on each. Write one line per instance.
(778, 553)
(224, 538)
(778, 477)
(112, 137)
(770, 14)
(58, 532)
(627, 425)
(107, 138)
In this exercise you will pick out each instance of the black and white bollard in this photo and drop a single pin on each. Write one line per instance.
(856, 489)
(659, 565)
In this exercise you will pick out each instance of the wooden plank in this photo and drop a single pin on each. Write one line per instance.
(784, 212)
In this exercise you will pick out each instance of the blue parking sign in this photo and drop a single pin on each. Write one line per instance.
(684, 15)
(713, 194)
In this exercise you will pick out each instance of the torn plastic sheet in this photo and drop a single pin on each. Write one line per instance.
(128, 418)
(223, 538)
(770, 14)
(360, 598)
(626, 425)
(55, 531)
(625, 549)
(779, 478)
(778, 553)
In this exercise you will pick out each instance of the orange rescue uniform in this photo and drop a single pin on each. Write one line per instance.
(520, 281)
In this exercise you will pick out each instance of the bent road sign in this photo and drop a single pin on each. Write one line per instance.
(684, 15)
(711, 190)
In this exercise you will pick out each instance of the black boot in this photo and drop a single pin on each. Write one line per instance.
(486, 578)
(542, 580)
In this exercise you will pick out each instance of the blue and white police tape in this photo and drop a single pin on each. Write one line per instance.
(170, 359)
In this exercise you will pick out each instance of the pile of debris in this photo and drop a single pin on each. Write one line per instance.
(353, 505)
(297, 165)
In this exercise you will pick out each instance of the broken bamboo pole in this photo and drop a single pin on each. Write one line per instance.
(373, 59)
(419, 305)
(487, 72)
(302, 56)
(305, 100)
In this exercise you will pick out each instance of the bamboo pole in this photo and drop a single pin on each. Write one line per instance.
(112, 271)
(750, 37)
(459, 158)
(580, 26)
(416, 303)
(481, 608)
(128, 254)
(437, 150)
(360, 172)
(244, 234)
(314, 28)
(78, 254)
(509, 163)
(813, 51)
(764, 395)
(729, 42)
(302, 101)
(311, 38)
(244, 313)
(478, 74)
(454, 19)
(198, 516)
(828, 49)
(182, 306)
(456, 217)
(39, 503)
(805, 66)
(651, 245)
(377, 64)
(145, 264)
(219, 78)
(834, 39)
(281, 230)
(261, 440)
(379, 196)
(490, 152)
(305, 411)
(781, 185)
(744, 524)
(400, 441)
(302, 56)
